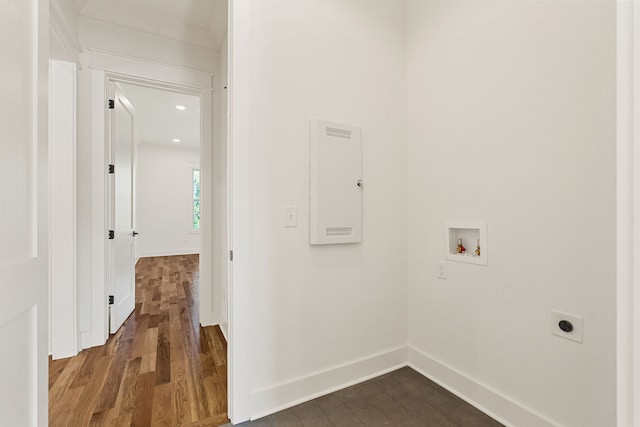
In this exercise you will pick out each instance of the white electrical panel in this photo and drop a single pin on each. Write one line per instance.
(336, 183)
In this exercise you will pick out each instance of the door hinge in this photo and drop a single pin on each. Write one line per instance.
(230, 255)
(112, 104)
(112, 234)
(111, 300)
(112, 168)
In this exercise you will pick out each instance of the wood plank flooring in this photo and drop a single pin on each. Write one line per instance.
(160, 369)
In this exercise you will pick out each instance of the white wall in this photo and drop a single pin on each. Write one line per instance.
(163, 197)
(323, 316)
(511, 119)
(221, 182)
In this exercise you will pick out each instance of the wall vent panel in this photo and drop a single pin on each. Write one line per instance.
(339, 231)
(338, 133)
(336, 186)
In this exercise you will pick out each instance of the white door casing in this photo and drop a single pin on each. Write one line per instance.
(63, 331)
(628, 215)
(239, 347)
(23, 212)
(122, 254)
(106, 68)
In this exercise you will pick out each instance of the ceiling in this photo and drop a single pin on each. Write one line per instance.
(157, 121)
(199, 22)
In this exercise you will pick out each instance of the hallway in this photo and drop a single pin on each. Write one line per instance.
(161, 368)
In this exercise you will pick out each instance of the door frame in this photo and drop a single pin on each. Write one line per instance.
(239, 347)
(628, 215)
(63, 319)
(105, 68)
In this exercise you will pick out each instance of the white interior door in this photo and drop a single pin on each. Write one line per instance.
(122, 246)
(23, 213)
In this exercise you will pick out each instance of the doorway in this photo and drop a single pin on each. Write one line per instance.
(179, 54)
(171, 367)
(155, 197)
(105, 69)
(174, 154)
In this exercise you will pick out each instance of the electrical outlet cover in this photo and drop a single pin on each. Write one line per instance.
(576, 322)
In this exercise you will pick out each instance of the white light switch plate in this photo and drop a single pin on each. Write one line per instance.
(441, 270)
(290, 216)
(576, 322)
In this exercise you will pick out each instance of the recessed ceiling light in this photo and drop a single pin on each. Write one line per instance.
(175, 140)
(181, 107)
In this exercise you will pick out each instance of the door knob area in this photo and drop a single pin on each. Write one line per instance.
(135, 233)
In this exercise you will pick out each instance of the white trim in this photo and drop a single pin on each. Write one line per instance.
(149, 70)
(239, 297)
(99, 311)
(633, 186)
(63, 31)
(635, 207)
(207, 304)
(628, 222)
(168, 252)
(490, 401)
(131, 70)
(269, 400)
(63, 328)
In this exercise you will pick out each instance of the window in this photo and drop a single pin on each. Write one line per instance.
(195, 211)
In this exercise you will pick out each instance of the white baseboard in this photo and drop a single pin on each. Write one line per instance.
(167, 252)
(483, 397)
(282, 396)
(213, 319)
(210, 318)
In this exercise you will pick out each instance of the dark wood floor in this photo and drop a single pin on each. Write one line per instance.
(160, 369)
(402, 398)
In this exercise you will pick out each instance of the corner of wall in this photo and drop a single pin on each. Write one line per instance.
(293, 392)
(490, 401)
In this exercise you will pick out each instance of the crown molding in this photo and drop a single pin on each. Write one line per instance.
(151, 23)
(63, 24)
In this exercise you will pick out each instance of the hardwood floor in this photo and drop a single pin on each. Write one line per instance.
(160, 369)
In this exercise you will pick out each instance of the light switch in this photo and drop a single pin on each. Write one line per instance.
(441, 270)
(291, 216)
